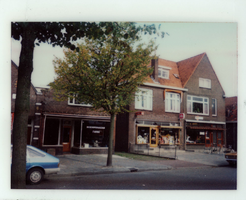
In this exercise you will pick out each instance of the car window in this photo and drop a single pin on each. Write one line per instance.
(33, 153)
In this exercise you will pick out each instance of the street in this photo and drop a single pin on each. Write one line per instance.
(193, 178)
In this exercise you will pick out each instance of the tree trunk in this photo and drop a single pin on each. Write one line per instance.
(110, 142)
(22, 107)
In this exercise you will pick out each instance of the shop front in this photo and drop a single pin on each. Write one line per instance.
(200, 135)
(157, 133)
(76, 135)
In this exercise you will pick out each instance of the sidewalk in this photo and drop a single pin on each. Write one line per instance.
(72, 165)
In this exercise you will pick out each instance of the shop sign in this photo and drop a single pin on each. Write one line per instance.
(95, 127)
(202, 133)
(139, 113)
(198, 118)
(181, 115)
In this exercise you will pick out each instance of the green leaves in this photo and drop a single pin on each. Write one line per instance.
(104, 72)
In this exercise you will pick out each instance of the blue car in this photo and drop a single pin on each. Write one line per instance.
(38, 164)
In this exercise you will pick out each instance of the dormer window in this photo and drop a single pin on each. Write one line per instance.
(163, 72)
(75, 102)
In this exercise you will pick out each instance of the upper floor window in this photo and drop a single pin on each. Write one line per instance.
(204, 83)
(197, 105)
(163, 73)
(214, 107)
(172, 102)
(75, 102)
(144, 99)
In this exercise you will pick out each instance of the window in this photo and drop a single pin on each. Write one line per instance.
(214, 107)
(144, 99)
(204, 83)
(197, 105)
(143, 135)
(172, 102)
(163, 73)
(169, 136)
(33, 153)
(51, 131)
(95, 134)
(75, 102)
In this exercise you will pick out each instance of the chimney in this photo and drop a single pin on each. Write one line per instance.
(154, 63)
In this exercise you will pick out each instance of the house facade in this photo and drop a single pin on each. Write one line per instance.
(204, 104)
(60, 127)
(181, 103)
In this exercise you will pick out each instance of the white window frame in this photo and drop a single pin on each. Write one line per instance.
(172, 102)
(214, 104)
(144, 99)
(163, 73)
(73, 103)
(204, 102)
(205, 83)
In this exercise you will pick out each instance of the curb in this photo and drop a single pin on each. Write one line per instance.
(127, 170)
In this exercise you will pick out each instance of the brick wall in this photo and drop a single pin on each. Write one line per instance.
(205, 70)
(157, 114)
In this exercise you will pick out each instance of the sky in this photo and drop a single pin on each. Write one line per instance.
(184, 40)
(219, 40)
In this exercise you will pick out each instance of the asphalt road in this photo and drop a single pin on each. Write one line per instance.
(195, 178)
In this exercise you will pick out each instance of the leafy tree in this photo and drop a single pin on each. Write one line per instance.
(62, 34)
(104, 73)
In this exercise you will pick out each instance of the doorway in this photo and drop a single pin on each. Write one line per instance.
(208, 139)
(153, 137)
(67, 132)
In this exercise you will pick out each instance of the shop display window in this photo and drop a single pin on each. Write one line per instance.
(95, 134)
(195, 137)
(169, 136)
(143, 135)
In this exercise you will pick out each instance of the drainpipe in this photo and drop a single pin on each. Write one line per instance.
(184, 134)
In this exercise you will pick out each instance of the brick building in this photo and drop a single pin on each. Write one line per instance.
(181, 103)
(231, 122)
(66, 126)
(189, 87)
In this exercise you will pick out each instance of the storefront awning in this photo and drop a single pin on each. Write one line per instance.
(83, 117)
(205, 128)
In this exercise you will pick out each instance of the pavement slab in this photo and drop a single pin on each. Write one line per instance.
(72, 165)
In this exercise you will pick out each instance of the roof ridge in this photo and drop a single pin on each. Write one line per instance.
(192, 69)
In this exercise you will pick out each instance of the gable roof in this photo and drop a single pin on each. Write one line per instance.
(187, 67)
(172, 81)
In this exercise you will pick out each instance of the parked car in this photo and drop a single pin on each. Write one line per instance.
(38, 164)
(231, 158)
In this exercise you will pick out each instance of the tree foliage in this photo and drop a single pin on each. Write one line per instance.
(104, 76)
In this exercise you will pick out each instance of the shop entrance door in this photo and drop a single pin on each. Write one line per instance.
(153, 137)
(208, 139)
(67, 130)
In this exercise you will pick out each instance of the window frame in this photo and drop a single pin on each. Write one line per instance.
(192, 101)
(148, 94)
(216, 107)
(161, 73)
(202, 83)
(168, 100)
(77, 104)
